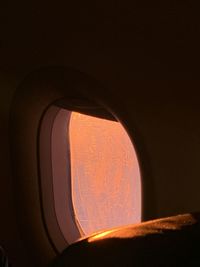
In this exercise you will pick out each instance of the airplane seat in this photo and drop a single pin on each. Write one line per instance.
(3, 258)
(172, 241)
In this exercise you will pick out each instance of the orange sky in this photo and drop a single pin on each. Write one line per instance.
(106, 183)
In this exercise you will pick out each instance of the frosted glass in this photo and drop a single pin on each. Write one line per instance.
(106, 184)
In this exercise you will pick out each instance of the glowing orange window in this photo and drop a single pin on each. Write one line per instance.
(105, 176)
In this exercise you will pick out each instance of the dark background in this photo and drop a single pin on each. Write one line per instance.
(146, 53)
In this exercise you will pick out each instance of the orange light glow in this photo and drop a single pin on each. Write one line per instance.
(106, 186)
(99, 236)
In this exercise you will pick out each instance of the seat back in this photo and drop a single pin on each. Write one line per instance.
(172, 241)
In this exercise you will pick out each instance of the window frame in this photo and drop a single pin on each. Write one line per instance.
(59, 215)
(41, 89)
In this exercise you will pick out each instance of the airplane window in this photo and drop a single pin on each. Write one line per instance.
(95, 175)
(105, 176)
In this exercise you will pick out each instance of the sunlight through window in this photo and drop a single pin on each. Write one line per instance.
(105, 176)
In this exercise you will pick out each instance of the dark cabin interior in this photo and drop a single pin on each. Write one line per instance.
(145, 58)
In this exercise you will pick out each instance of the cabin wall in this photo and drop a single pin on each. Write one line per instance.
(9, 232)
(148, 62)
(168, 146)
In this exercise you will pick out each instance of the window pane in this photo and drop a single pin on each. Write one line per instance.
(106, 186)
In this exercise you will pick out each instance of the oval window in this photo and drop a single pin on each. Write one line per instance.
(96, 182)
